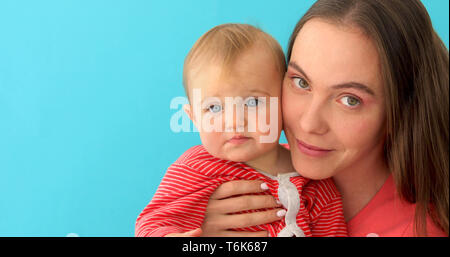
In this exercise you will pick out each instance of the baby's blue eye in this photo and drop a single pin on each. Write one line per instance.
(252, 102)
(215, 108)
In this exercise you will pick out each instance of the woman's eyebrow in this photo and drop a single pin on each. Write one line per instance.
(296, 67)
(354, 85)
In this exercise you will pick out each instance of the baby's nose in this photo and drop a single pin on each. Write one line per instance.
(235, 120)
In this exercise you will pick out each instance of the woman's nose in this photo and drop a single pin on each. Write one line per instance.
(312, 119)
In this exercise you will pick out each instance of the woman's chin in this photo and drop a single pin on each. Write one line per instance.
(313, 171)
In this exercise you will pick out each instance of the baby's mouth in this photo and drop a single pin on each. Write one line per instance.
(238, 139)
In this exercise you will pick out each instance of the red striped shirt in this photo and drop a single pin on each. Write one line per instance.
(180, 202)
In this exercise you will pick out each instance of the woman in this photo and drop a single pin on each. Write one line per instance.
(365, 101)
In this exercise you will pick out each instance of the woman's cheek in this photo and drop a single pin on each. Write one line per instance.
(357, 132)
(291, 109)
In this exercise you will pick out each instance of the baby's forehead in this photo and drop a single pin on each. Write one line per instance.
(236, 91)
(241, 49)
(249, 74)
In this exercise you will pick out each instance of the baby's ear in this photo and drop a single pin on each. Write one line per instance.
(188, 111)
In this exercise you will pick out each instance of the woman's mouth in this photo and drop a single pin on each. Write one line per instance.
(311, 150)
(238, 139)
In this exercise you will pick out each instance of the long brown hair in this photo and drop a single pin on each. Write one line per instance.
(414, 66)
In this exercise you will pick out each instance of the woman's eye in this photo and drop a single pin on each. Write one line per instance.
(350, 101)
(215, 108)
(252, 102)
(301, 83)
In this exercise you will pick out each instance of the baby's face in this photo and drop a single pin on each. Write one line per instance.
(238, 113)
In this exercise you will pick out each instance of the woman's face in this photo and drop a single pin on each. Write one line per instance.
(333, 101)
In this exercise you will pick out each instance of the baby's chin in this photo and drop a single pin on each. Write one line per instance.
(238, 159)
(235, 156)
(243, 153)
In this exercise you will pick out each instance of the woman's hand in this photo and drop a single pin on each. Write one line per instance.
(193, 233)
(217, 221)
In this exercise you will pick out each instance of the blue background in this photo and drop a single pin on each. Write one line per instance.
(85, 88)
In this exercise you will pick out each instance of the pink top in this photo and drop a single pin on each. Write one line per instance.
(386, 215)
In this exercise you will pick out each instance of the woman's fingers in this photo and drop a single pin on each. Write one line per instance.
(255, 218)
(193, 233)
(242, 203)
(225, 200)
(225, 222)
(238, 187)
(238, 234)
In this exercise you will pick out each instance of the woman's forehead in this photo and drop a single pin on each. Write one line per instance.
(334, 54)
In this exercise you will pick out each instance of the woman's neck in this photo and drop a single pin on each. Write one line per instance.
(359, 184)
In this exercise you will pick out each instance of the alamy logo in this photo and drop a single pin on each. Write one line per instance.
(234, 114)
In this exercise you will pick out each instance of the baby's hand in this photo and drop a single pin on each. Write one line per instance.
(193, 233)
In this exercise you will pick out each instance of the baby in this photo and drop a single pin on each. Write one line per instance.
(233, 78)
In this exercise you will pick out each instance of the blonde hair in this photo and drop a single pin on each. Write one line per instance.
(224, 43)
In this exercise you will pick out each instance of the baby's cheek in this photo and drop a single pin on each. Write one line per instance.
(267, 120)
(211, 141)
